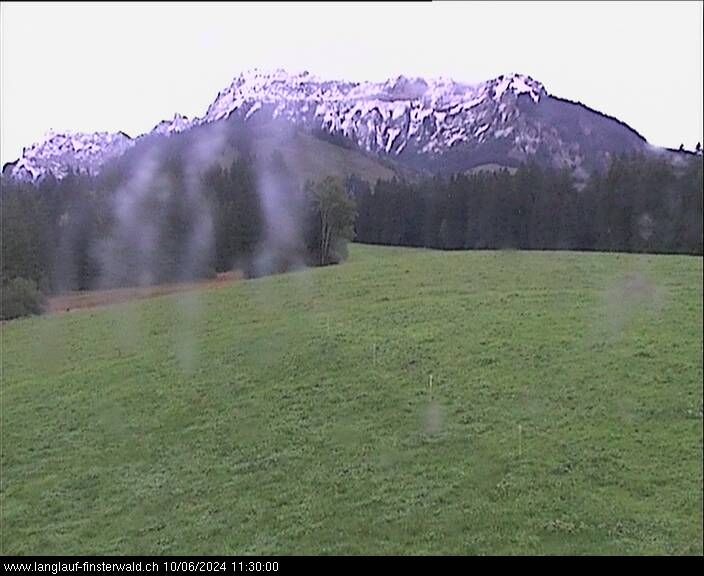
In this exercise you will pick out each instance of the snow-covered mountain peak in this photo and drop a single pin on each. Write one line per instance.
(60, 152)
(517, 84)
(279, 86)
(179, 123)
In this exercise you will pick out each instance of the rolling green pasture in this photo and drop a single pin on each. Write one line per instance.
(295, 414)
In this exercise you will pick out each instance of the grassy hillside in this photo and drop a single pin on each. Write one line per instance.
(310, 158)
(294, 414)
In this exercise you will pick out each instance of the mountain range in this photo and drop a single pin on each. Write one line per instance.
(429, 125)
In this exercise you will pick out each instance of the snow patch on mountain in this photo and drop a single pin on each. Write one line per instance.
(179, 123)
(79, 151)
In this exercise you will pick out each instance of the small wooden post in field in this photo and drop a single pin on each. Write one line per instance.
(520, 441)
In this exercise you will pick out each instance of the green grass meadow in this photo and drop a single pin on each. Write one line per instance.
(294, 414)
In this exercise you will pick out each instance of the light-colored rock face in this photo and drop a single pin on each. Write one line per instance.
(77, 151)
(386, 116)
(426, 119)
(179, 123)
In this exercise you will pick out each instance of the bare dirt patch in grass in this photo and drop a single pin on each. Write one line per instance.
(93, 298)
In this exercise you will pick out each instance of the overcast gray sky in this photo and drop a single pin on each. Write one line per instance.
(89, 67)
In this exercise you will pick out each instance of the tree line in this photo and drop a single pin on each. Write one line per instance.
(641, 203)
(126, 227)
(135, 225)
